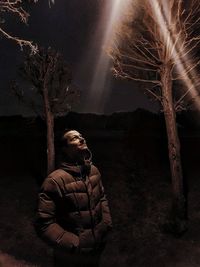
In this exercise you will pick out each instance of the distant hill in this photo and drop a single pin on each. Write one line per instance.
(140, 121)
(119, 121)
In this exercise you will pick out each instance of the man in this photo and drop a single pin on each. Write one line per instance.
(73, 214)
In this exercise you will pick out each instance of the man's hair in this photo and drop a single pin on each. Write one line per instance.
(63, 140)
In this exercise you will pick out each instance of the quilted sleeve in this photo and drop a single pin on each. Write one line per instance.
(46, 225)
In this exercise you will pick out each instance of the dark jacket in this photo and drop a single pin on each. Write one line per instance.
(73, 211)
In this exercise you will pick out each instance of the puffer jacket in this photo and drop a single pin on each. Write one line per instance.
(73, 212)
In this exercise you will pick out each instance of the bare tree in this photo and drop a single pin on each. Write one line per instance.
(52, 79)
(16, 8)
(158, 48)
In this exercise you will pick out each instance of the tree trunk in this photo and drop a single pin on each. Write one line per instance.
(179, 213)
(50, 132)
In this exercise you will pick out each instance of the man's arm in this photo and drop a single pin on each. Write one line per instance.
(46, 224)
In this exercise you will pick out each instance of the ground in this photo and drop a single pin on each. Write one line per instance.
(136, 178)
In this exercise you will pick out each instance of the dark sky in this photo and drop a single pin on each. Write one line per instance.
(71, 27)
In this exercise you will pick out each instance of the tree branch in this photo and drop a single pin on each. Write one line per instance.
(20, 42)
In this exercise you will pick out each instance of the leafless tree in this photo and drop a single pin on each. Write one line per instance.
(158, 46)
(16, 8)
(52, 79)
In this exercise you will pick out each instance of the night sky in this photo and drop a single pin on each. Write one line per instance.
(71, 27)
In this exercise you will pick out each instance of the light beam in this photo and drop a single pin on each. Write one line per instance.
(178, 53)
(112, 15)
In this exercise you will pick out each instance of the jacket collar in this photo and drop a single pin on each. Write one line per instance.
(81, 169)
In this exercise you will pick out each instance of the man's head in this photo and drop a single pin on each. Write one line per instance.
(73, 144)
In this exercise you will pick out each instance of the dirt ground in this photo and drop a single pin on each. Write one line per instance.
(137, 182)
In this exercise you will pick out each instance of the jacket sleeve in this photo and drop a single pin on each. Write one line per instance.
(46, 225)
(105, 208)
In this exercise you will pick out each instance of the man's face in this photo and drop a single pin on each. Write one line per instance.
(75, 142)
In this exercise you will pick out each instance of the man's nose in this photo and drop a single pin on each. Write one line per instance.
(82, 140)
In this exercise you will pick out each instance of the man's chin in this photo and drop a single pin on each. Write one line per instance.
(83, 147)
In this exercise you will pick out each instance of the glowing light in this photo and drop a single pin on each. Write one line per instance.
(99, 90)
(173, 43)
(112, 15)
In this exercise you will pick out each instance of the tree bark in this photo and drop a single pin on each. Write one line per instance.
(50, 132)
(178, 212)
